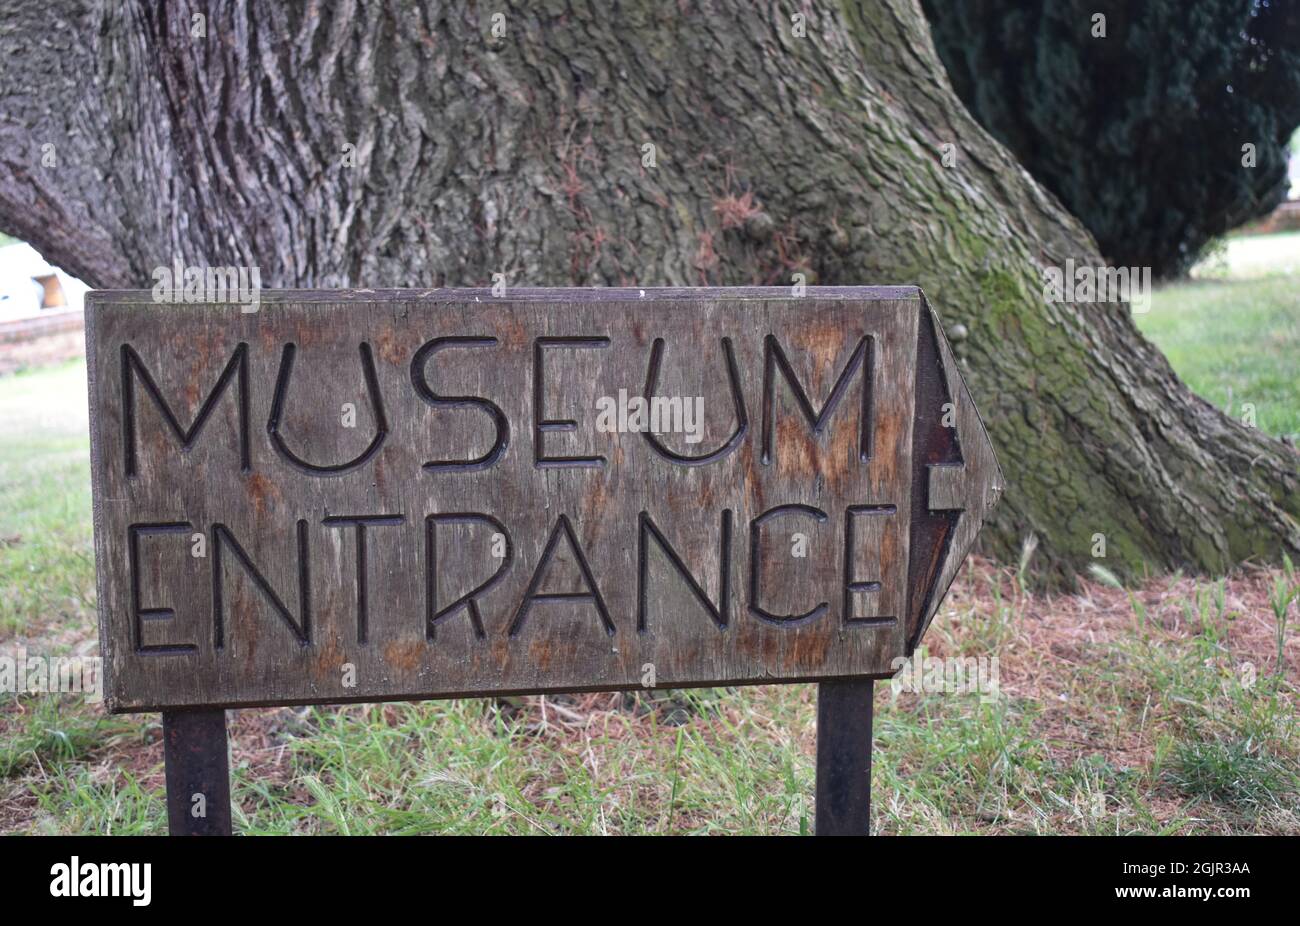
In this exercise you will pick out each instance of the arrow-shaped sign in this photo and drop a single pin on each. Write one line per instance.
(370, 495)
(961, 474)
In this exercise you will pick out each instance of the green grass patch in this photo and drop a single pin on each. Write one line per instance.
(50, 731)
(1238, 772)
(46, 546)
(1233, 333)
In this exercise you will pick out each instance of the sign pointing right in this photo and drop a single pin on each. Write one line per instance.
(954, 462)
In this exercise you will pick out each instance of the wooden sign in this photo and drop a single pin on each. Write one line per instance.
(393, 495)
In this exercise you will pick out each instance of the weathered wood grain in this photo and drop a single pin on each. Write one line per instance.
(344, 563)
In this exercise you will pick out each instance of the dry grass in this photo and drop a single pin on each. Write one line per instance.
(1109, 719)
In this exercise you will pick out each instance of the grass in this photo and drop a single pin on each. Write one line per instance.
(1233, 331)
(1170, 707)
(1111, 720)
(46, 552)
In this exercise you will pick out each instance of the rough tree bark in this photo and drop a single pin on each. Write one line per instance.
(524, 154)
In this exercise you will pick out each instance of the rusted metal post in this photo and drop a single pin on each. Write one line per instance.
(844, 758)
(198, 773)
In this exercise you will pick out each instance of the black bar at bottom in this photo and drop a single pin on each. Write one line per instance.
(198, 773)
(844, 758)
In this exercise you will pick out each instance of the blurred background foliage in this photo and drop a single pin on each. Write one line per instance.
(1136, 122)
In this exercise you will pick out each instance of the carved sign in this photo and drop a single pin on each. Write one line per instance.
(390, 495)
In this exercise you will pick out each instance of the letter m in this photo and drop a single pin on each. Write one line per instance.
(774, 358)
(1112, 284)
(133, 368)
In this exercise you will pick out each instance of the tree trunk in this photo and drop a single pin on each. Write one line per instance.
(396, 144)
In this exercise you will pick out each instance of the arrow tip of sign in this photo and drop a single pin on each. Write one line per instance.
(974, 487)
